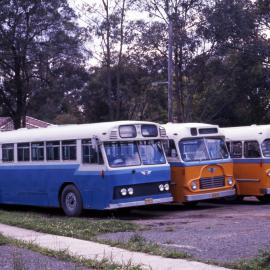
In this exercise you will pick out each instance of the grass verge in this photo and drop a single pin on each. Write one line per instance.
(65, 256)
(259, 262)
(140, 244)
(82, 228)
(87, 229)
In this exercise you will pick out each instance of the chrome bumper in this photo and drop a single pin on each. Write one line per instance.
(139, 203)
(265, 191)
(212, 195)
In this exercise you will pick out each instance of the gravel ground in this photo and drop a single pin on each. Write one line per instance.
(13, 258)
(221, 232)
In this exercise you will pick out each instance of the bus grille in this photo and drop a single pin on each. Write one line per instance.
(212, 182)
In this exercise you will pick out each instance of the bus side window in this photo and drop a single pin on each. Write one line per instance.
(23, 150)
(252, 149)
(266, 148)
(37, 151)
(69, 150)
(170, 149)
(236, 149)
(90, 155)
(7, 152)
(53, 150)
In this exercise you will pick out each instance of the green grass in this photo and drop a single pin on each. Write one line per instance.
(140, 244)
(260, 262)
(87, 229)
(63, 255)
(3, 240)
(82, 228)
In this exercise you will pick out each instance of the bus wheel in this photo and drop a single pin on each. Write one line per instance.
(71, 201)
(190, 204)
(264, 198)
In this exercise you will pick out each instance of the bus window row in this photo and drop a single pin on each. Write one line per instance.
(55, 151)
(249, 149)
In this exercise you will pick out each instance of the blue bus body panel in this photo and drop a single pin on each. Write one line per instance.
(39, 185)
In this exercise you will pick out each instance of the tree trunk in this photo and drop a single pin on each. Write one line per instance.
(108, 61)
(119, 66)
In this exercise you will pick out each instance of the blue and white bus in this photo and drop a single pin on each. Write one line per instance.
(88, 166)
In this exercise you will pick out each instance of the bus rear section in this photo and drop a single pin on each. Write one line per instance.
(250, 150)
(200, 165)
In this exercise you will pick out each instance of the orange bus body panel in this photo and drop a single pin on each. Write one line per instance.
(183, 176)
(251, 178)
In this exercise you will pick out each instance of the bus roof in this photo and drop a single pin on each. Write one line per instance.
(105, 131)
(253, 132)
(191, 130)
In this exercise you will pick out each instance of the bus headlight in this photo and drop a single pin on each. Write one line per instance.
(167, 187)
(123, 192)
(193, 185)
(161, 187)
(130, 191)
(268, 173)
(230, 181)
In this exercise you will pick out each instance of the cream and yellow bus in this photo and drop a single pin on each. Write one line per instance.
(250, 150)
(201, 168)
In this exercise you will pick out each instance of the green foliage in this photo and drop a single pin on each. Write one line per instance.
(220, 54)
(260, 262)
(138, 243)
(83, 228)
(63, 255)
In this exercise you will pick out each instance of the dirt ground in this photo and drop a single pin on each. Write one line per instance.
(220, 231)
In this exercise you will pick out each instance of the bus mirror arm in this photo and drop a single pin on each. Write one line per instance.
(95, 142)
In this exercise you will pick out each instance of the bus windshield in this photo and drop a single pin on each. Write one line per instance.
(203, 149)
(124, 154)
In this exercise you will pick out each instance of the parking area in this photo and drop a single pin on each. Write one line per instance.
(220, 231)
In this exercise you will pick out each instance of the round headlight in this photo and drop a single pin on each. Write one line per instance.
(268, 173)
(123, 192)
(167, 187)
(194, 185)
(161, 187)
(130, 191)
(230, 181)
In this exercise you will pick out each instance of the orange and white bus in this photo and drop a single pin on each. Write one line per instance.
(201, 168)
(249, 148)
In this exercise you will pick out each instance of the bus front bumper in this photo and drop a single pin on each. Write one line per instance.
(140, 203)
(265, 191)
(211, 195)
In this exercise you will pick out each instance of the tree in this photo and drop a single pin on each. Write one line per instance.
(36, 37)
(108, 22)
(232, 81)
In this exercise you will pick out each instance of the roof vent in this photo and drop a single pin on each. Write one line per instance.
(162, 131)
(113, 135)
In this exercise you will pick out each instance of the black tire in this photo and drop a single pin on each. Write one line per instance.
(264, 198)
(71, 201)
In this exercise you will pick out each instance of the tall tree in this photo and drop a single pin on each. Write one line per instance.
(108, 21)
(186, 17)
(35, 38)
